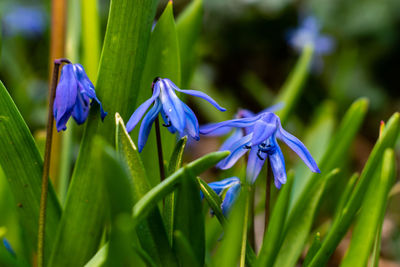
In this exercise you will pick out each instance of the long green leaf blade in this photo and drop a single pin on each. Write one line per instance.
(22, 166)
(372, 213)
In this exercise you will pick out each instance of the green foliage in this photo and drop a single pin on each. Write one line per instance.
(22, 166)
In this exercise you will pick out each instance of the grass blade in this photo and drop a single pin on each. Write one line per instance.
(22, 165)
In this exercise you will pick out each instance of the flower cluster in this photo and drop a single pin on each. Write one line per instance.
(73, 95)
(258, 135)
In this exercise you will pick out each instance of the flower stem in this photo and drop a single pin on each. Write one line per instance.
(267, 197)
(46, 163)
(159, 150)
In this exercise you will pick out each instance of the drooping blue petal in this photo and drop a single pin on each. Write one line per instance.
(192, 125)
(237, 150)
(87, 87)
(81, 108)
(230, 197)
(254, 164)
(196, 93)
(239, 123)
(237, 134)
(172, 106)
(297, 146)
(139, 112)
(147, 123)
(66, 97)
(277, 162)
(324, 44)
(220, 186)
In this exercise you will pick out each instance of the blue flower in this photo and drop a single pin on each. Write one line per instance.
(8, 247)
(259, 136)
(177, 116)
(29, 21)
(73, 95)
(308, 33)
(227, 189)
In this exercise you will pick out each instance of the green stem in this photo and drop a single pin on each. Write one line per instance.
(268, 182)
(46, 163)
(158, 139)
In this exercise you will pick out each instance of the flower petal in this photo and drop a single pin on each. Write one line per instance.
(170, 128)
(254, 164)
(172, 106)
(192, 125)
(87, 88)
(81, 108)
(230, 197)
(237, 150)
(264, 128)
(237, 134)
(239, 123)
(147, 123)
(66, 97)
(219, 186)
(139, 112)
(196, 93)
(278, 165)
(297, 146)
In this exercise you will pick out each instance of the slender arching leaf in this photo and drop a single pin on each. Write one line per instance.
(151, 232)
(157, 193)
(290, 92)
(372, 213)
(22, 166)
(121, 67)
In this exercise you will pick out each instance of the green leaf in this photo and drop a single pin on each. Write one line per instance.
(85, 212)
(22, 166)
(120, 195)
(189, 221)
(188, 26)
(175, 163)
(157, 193)
(346, 194)
(99, 258)
(185, 250)
(91, 42)
(151, 232)
(316, 244)
(372, 213)
(121, 67)
(298, 225)
(291, 90)
(162, 61)
(340, 227)
(213, 200)
(232, 248)
(274, 236)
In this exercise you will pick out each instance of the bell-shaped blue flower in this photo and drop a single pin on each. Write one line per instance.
(308, 33)
(177, 116)
(259, 136)
(73, 95)
(227, 189)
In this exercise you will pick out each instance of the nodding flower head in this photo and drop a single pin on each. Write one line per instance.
(177, 116)
(228, 190)
(73, 95)
(258, 135)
